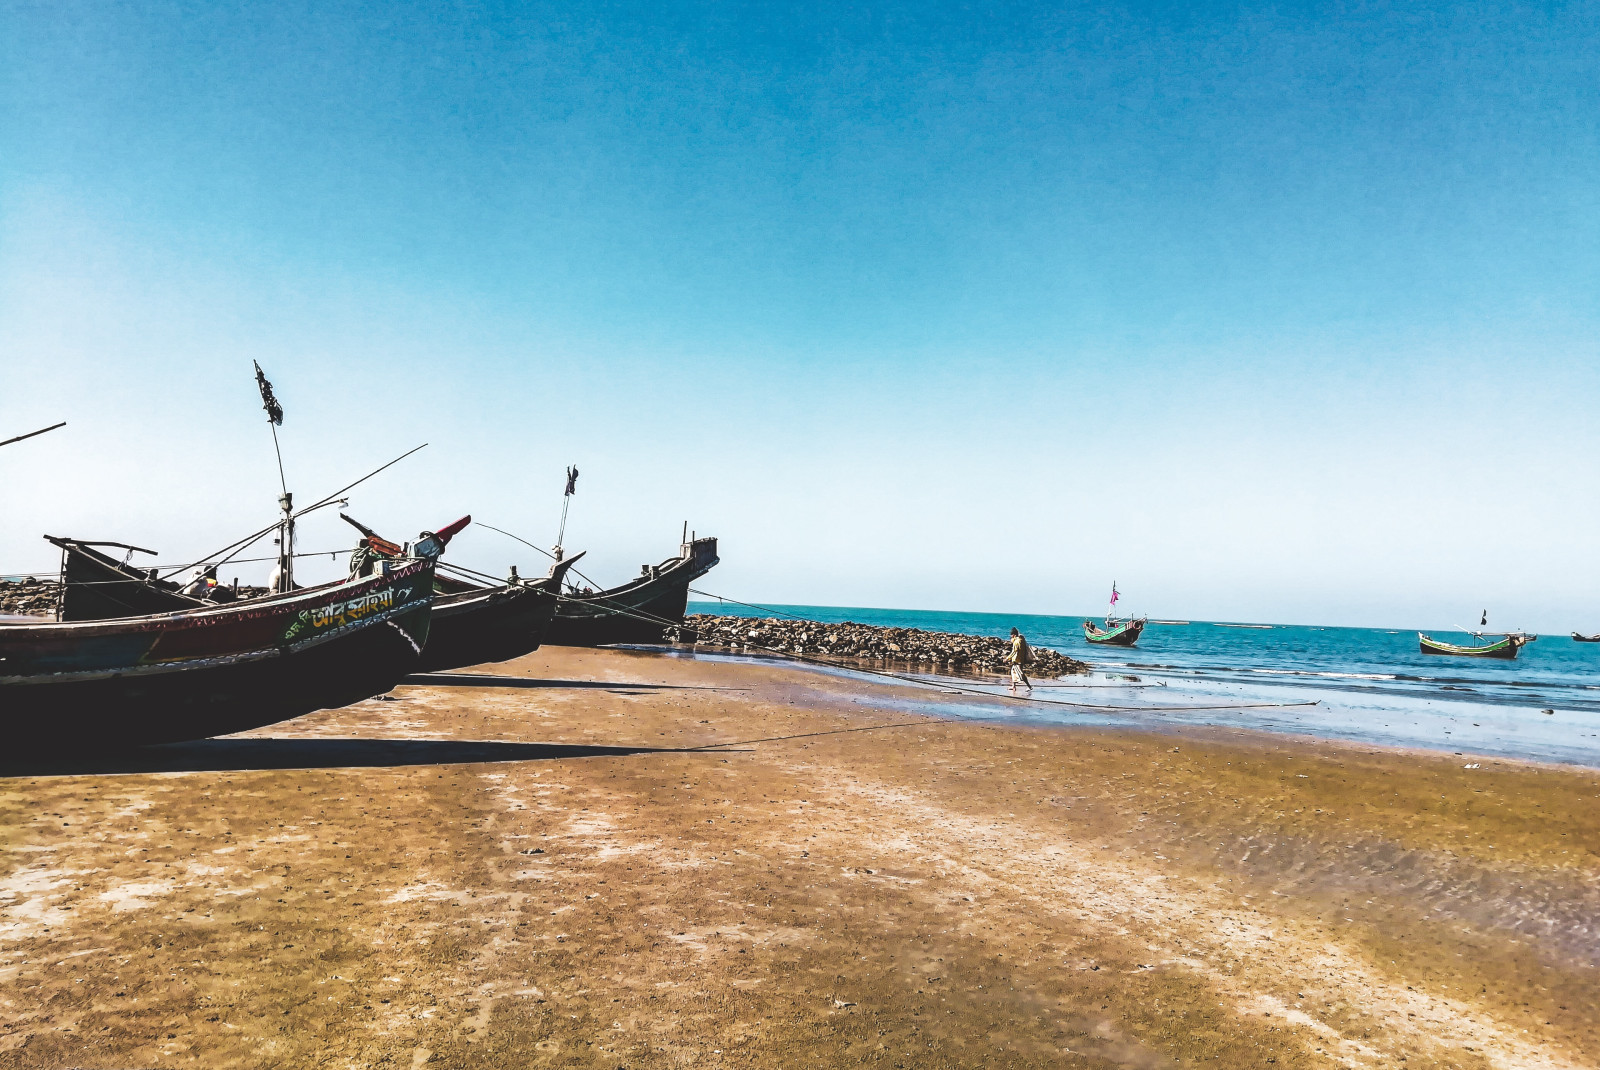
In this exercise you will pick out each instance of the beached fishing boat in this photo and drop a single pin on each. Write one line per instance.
(1579, 637)
(1505, 647)
(1114, 633)
(209, 671)
(640, 611)
(484, 624)
(472, 622)
(476, 622)
(96, 586)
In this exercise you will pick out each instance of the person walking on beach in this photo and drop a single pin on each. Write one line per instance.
(1021, 654)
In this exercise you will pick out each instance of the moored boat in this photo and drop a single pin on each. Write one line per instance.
(1115, 633)
(1579, 637)
(640, 611)
(1506, 647)
(209, 671)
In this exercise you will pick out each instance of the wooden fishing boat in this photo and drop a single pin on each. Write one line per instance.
(1115, 633)
(1579, 637)
(476, 624)
(1505, 647)
(96, 586)
(472, 623)
(209, 671)
(486, 624)
(640, 611)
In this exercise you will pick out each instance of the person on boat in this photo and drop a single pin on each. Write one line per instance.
(1019, 658)
(204, 582)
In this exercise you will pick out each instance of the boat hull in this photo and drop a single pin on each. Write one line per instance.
(638, 612)
(195, 674)
(1505, 649)
(1125, 634)
(491, 624)
(1579, 637)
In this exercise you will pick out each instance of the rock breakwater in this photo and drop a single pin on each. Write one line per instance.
(928, 651)
(29, 596)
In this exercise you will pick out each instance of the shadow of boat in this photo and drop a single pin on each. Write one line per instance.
(267, 753)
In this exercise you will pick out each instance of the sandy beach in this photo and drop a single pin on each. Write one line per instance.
(616, 858)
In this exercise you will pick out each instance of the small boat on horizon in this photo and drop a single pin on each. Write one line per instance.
(1579, 637)
(1504, 648)
(1114, 632)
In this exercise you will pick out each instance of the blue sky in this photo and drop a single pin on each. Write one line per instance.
(1282, 313)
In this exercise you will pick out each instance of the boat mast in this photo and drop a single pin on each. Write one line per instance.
(269, 401)
(566, 501)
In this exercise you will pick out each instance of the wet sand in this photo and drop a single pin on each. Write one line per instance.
(543, 865)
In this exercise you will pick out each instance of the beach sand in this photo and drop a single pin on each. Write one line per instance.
(542, 871)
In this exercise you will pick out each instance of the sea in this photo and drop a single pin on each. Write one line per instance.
(1368, 685)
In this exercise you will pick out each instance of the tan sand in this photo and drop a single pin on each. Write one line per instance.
(930, 895)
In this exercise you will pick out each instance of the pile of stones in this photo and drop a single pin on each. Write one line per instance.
(28, 596)
(928, 651)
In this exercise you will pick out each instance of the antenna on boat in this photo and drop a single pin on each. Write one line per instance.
(566, 501)
(284, 577)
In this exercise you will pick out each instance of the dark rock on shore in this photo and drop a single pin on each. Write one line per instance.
(928, 651)
(28, 597)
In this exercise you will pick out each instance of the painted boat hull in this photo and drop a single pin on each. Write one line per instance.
(1579, 637)
(1125, 634)
(1505, 649)
(201, 673)
(488, 624)
(637, 612)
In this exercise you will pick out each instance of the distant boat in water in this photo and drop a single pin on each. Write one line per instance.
(1115, 633)
(1505, 647)
(1579, 637)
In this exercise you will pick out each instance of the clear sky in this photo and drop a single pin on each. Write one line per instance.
(1267, 312)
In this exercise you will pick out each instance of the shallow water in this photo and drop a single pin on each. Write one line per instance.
(1369, 684)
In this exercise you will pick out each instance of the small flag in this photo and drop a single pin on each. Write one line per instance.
(1485, 619)
(269, 400)
(1114, 594)
(572, 480)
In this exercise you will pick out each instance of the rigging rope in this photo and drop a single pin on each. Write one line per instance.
(236, 547)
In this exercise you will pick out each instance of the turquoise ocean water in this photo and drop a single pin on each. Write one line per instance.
(1369, 684)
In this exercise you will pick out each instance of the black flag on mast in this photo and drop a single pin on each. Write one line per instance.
(269, 400)
(572, 481)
